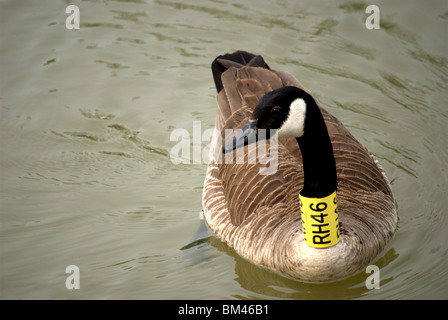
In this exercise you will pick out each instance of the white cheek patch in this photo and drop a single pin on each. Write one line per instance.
(295, 123)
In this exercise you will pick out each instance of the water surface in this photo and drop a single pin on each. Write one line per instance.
(86, 176)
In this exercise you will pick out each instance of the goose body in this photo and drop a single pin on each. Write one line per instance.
(260, 215)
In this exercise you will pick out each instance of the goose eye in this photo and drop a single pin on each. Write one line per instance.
(276, 110)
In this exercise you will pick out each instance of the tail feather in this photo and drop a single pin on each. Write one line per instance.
(236, 59)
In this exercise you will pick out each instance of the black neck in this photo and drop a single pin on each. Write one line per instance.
(319, 166)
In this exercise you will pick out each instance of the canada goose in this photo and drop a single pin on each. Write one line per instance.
(260, 216)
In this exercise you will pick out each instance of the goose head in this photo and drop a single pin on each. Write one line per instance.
(292, 112)
(283, 110)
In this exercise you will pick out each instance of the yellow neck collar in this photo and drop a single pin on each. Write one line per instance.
(320, 221)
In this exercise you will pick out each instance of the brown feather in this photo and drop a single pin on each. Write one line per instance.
(259, 216)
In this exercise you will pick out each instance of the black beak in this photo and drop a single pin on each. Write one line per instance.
(246, 137)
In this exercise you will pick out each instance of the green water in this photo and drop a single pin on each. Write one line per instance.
(86, 176)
